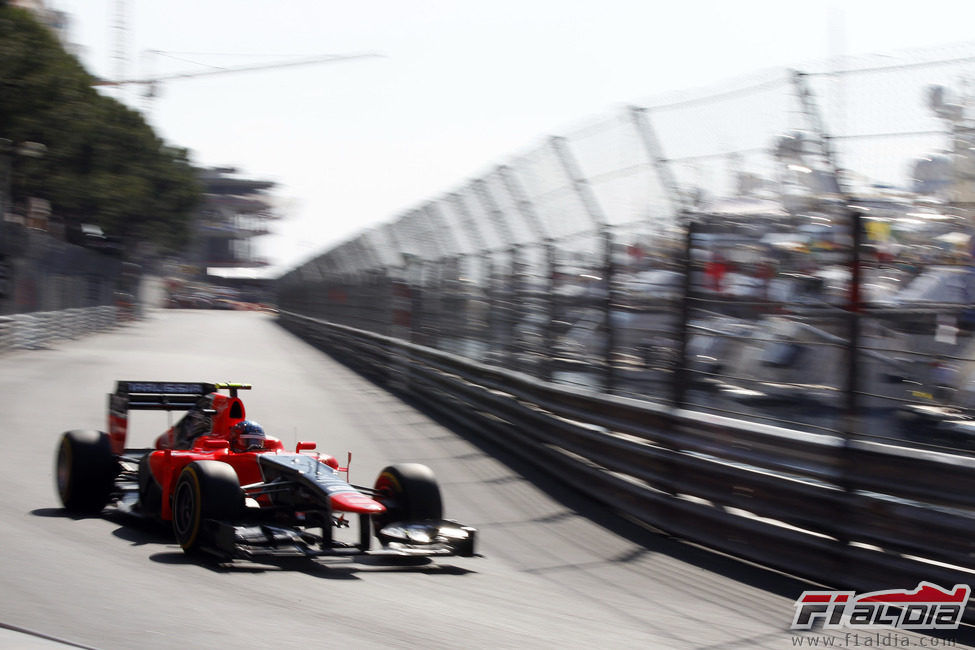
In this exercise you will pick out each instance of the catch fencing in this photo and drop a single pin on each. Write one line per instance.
(796, 221)
(51, 290)
(782, 266)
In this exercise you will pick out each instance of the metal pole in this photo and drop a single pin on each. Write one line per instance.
(512, 297)
(590, 204)
(847, 460)
(552, 304)
(489, 333)
(852, 387)
(610, 378)
(661, 165)
(680, 380)
(526, 210)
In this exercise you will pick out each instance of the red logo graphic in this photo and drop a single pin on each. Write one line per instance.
(928, 607)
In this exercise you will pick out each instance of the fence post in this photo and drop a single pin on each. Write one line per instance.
(490, 319)
(590, 204)
(845, 518)
(610, 379)
(681, 379)
(648, 137)
(854, 329)
(512, 297)
(852, 387)
(552, 315)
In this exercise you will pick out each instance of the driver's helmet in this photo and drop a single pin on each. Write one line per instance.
(247, 435)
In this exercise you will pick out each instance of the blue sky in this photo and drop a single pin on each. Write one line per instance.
(460, 86)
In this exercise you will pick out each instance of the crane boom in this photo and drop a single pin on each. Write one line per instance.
(326, 58)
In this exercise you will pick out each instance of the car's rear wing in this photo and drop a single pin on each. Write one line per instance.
(156, 396)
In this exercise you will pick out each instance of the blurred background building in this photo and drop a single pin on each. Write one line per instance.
(234, 212)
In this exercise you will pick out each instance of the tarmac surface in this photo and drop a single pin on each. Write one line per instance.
(557, 570)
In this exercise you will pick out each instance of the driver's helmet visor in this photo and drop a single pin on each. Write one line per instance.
(247, 441)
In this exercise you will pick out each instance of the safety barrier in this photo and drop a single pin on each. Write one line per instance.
(842, 511)
(38, 330)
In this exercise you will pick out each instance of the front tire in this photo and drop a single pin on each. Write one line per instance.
(205, 489)
(85, 471)
(410, 493)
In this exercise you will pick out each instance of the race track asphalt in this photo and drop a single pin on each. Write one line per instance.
(557, 571)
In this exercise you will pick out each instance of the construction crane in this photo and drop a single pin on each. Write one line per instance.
(120, 38)
(151, 82)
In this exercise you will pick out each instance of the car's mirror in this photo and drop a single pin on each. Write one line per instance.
(305, 446)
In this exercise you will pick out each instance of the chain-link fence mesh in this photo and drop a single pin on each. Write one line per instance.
(793, 248)
(52, 290)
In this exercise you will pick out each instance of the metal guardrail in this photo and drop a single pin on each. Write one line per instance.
(38, 330)
(838, 510)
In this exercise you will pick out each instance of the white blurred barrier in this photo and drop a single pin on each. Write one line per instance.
(38, 330)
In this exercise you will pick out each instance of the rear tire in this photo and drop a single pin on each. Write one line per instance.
(85, 471)
(205, 489)
(410, 493)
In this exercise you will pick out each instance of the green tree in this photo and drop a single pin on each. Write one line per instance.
(103, 164)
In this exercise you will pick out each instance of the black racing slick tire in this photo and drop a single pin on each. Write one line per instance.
(85, 471)
(410, 493)
(205, 489)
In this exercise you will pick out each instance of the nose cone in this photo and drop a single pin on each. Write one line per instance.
(356, 502)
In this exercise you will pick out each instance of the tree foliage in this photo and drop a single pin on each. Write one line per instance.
(103, 163)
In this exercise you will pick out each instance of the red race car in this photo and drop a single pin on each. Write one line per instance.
(232, 491)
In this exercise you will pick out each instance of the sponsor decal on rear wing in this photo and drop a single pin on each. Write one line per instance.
(165, 387)
(166, 395)
(162, 388)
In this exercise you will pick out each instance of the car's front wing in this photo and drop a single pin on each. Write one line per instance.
(402, 539)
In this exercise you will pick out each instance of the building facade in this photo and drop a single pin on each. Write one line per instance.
(235, 211)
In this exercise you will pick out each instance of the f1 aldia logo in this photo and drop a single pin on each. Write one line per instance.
(929, 607)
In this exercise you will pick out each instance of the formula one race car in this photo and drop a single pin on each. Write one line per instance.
(232, 491)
